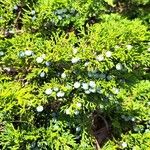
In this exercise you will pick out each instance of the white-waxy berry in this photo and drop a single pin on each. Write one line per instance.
(39, 108)
(15, 7)
(28, 53)
(79, 105)
(147, 131)
(39, 60)
(7, 69)
(63, 75)
(67, 111)
(115, 90)
(42, 74)
(86, 64)
(108, 54)
(100, 57)
(33, 144)
(56, 89)
(58, 74)
(11, 32)
(109, 77)
(55, 127)
(92, 84)
(77, 85)
(129, 47)
(137, 129)
(43, 56)
(60, 94)
(117, 47)
(59, 11)
(92, 90)
(78, 137)
(76, 112)
(75, 60)
(21, 54)
(48, 91)
(124, 144)
(33, 18)
(87, 92)
(75, 50)
(59, 17)
(119, 66)
(47, 63)
(33, 12)
(133, 119)
(85, 86)
(78, 129)
(1, 53)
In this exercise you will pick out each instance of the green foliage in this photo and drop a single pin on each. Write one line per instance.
(134, 9)
(60, 61)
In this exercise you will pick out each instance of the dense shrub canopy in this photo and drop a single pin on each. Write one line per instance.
(63, 62)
